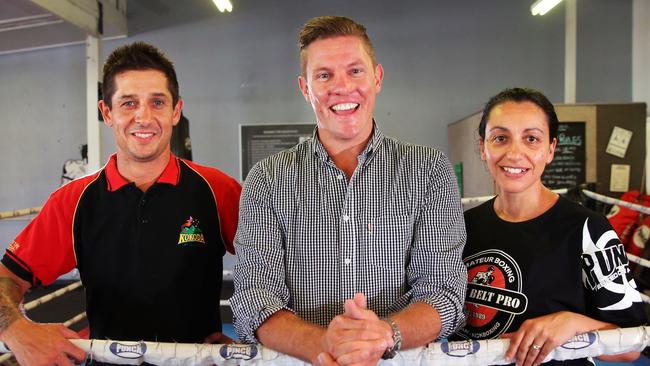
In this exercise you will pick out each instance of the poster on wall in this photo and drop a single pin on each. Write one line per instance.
(258, 141)
(568, 168)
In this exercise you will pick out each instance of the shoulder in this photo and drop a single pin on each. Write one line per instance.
(414, 158)
(411, 151)
(284, 163)
(568, 210)
(75, 188)
(213, 176)
(479, 212)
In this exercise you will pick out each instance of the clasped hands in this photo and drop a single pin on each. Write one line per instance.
(356, 337)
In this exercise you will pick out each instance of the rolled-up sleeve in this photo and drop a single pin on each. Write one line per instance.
(259, 275)
(436, 272)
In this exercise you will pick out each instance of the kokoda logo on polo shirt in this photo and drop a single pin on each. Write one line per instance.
(122, 350)
(494, 294)
(191, 234)
(460, 348)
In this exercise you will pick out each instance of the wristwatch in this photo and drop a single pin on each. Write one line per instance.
(397, 340)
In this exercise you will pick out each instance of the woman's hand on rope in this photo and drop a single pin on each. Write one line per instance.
(537, 337)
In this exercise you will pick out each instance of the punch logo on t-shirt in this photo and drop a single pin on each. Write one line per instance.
(604, 265)
(494, 294)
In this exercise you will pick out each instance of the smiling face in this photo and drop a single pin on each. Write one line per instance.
(341, 84)
(142, 115)
(517, 146)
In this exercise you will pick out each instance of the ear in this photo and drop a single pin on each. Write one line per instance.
(106, 113)
(304, 88)
(551, 151)
(379, 77)
(177, 112)
(482, 147)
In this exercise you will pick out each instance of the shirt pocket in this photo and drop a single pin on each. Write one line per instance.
(388, 242)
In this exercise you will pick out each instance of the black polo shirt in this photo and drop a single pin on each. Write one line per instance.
(150, 262)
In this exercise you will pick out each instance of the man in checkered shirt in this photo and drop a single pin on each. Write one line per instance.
(350, 243)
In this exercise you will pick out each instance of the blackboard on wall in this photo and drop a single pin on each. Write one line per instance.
(567, 170)
(262, 140)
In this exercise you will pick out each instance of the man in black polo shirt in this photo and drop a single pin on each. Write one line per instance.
(147, 231)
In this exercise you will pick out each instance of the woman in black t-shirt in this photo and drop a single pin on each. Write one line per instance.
(541, 269)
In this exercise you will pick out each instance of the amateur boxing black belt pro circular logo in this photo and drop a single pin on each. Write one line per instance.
(494, 294)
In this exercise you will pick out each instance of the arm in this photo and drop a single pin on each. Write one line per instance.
(436, 272)
(287, 333)
(419, 324)
(550, 331)
(260, 288)
(604, 303)
(32, 343)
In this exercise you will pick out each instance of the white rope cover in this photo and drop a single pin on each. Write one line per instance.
(481, 199)
(487, 352)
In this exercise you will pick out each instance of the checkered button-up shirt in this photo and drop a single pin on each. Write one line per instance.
(308, 239)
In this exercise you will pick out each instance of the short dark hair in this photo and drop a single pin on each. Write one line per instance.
(328, 27)
(521, 95)
(137, 56)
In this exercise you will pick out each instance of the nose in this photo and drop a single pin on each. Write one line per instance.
(341, 84)
(515, 150)
(143, 114)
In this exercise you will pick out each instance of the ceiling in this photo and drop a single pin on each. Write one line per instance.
(25, 26)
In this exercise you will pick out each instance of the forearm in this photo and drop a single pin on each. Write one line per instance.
(589, 324)
(285, 332)
(10, 298)
(419, 324)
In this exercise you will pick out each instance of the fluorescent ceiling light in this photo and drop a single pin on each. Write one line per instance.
(541, 7)
(223, 5)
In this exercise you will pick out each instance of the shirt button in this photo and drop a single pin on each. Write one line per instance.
(346, 218)
(339, 177)
(347, 261)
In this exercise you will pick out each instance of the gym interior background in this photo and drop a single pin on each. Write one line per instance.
(442, 60)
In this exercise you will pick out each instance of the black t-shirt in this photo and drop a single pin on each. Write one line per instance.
(568, 258)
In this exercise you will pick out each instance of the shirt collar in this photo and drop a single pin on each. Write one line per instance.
(367, 153)
(170, 175)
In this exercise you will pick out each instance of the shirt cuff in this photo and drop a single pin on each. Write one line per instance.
(247, 325)
(451, 315)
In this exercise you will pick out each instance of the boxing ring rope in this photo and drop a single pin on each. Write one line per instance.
(613, 201)
(460, 353)
(481, 199)
(19, 212)
(49, 297)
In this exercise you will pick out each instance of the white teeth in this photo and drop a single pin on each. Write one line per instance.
(514, 170)
(345, 106)
(143, 135)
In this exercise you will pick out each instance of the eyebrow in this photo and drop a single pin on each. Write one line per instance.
(354, 63)
(500, 128)
(132, 96)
